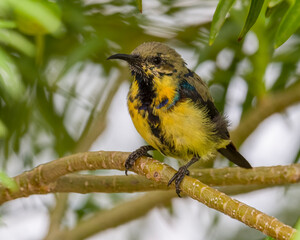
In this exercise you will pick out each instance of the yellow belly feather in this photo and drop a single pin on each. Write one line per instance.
(186, 127)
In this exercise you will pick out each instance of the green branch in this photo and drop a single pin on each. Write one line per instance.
(275, 175)
(42, 176)
(257, 178)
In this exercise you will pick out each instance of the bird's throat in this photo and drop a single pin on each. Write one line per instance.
(146, 92)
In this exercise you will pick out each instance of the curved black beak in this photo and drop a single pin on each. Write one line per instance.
(131, 59)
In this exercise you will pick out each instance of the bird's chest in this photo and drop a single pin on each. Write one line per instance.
(174, 126)
(147, 106)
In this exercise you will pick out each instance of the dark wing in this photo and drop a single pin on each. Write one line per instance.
(192, 87)
(194, 80)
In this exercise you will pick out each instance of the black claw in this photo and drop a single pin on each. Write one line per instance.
(172, 179)
(178, 177)
(142, 151)
(178, 192)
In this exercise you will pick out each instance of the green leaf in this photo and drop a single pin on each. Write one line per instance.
(289, 24)
(8, 182)
(297, 159)
(219, 18)
(273, 3)
(17, 41)
(255, 9)
(273, 6)
(3, 130)
(36, 17)
(7, 24)
(268, 238)
(11, 86)
(297, 227)
(140, 5)
(4, 8)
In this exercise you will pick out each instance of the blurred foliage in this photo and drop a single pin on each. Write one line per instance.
(44, 42)
(8, 182)
(288, 23)
(140, 5)
(89, 206)
(53, 72)
(297, 226)
(254, 11)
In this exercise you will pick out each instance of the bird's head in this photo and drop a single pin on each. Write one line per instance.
(153, 58)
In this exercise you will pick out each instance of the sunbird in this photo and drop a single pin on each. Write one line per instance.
(173, 111)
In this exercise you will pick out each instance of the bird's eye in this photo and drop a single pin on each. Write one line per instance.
(157, 60)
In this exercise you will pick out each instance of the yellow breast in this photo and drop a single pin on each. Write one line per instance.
(190, 130)
(139, 116)
(184, 129)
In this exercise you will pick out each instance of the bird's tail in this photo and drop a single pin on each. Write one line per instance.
(234, 156)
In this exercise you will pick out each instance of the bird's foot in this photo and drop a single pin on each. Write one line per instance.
(140, 152)
(181, 173)
(178, 177)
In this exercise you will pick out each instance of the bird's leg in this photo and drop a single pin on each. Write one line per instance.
(182, 171)
(140, 152)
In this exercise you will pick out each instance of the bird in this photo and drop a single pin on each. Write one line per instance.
(172, 109)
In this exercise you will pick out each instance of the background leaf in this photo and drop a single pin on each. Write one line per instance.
(11, 86)
(289, 24)
(8, 182)
(219, 18)
(17, 41)
(36, 17)
(140, 5)
(255, 9)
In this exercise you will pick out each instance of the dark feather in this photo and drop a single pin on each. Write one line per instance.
(234, 156)
(186, 90)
